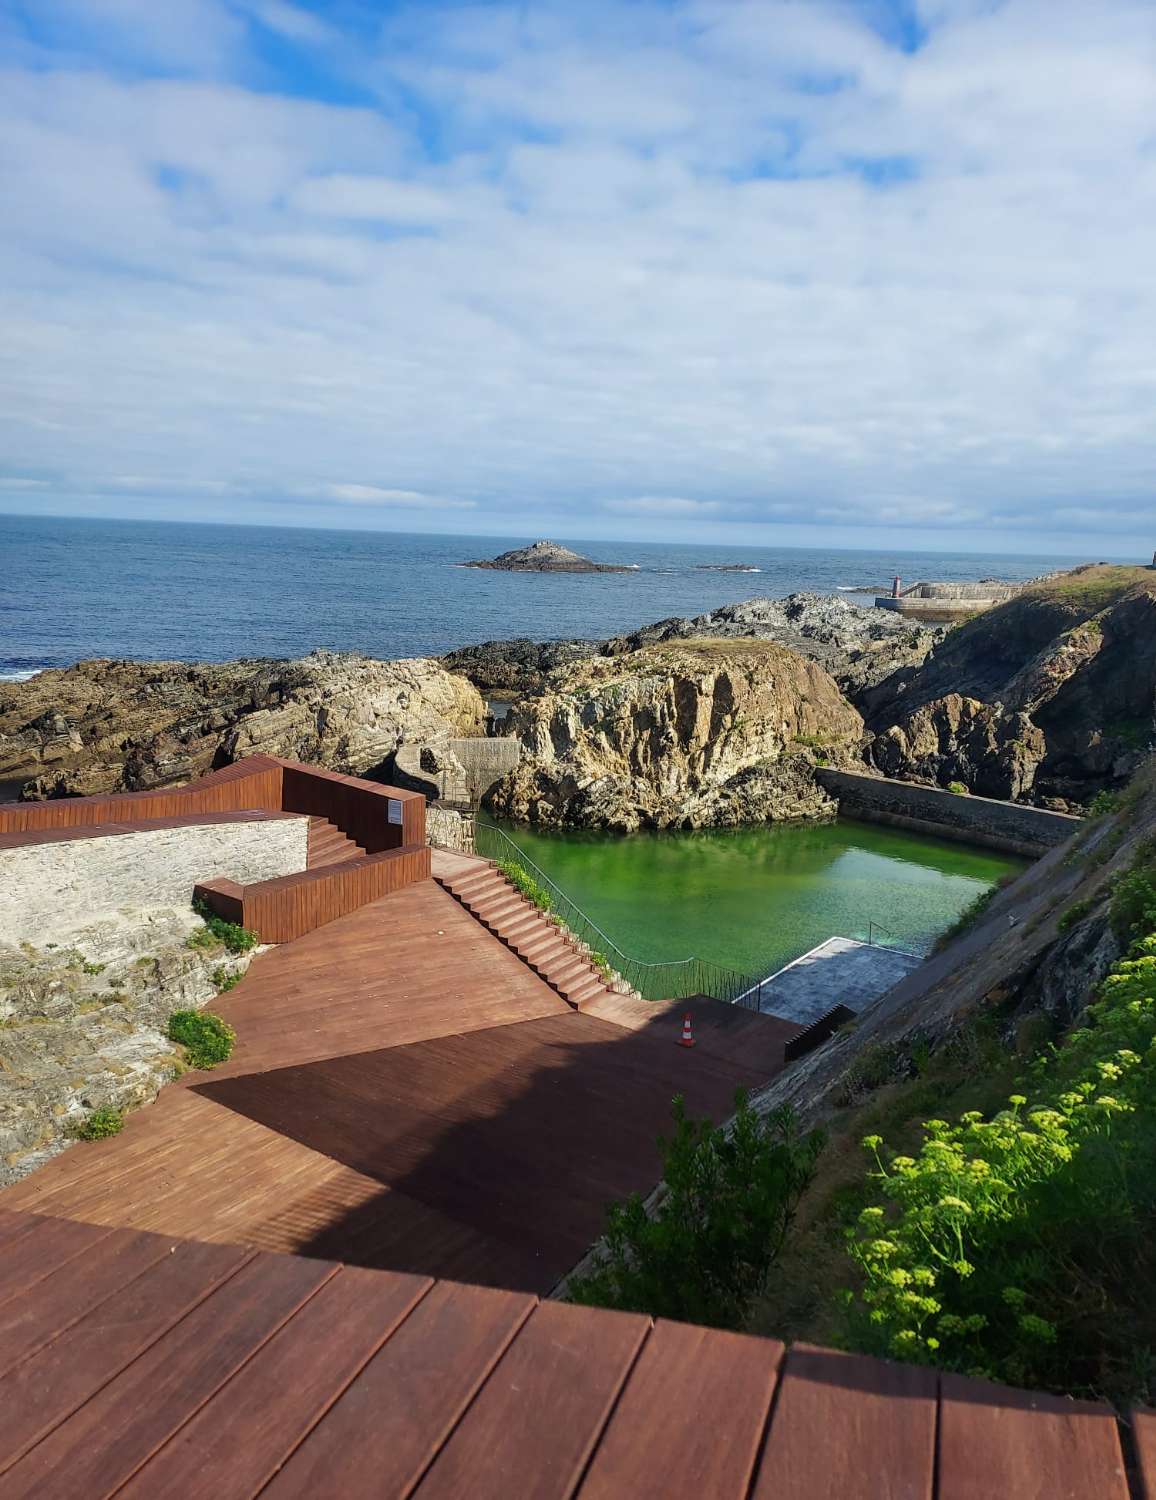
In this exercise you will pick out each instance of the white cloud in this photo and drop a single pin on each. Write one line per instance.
(372, 494)
(663, 505)
(344, 195)
(752, 254)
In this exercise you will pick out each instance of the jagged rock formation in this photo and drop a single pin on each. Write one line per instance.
(544, 557)
(111, 726)
(1051, 696)
(684, 734)
(83, 1027)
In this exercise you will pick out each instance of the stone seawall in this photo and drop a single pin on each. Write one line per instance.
(50, 890)
(1008, 826)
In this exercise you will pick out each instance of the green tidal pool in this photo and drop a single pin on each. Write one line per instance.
(753, 899)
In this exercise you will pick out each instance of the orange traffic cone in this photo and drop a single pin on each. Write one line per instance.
(686, 1039)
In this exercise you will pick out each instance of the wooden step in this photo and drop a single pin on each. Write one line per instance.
(501, 909)
(466, 887)
(583, 993)
(565, 975)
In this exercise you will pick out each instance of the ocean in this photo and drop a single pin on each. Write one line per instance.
(71, 589)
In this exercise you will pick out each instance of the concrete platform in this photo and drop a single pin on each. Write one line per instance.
(841, 971)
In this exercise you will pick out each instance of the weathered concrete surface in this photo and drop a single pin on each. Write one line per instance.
(841, 971)
(48, 891)
(1012, 827)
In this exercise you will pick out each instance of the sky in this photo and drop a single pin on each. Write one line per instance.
(819, 272)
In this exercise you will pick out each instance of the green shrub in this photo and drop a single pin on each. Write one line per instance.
(1020, 1247)
(525, 884)
(1074, 914)
(205, 1037)
(958, 788)
(100, 1124)
(1133, 908)
(706, 1254)
(232, 935)
(1103, 803)
(226, 980)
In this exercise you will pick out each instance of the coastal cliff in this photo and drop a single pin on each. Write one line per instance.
(679, 735)
(115, 726)
(1050, 696)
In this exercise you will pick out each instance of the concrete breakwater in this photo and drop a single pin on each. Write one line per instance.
(1011, 827)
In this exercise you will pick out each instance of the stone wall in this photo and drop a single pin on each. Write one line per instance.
(50, 890)
(1008, 826)
(447, 829)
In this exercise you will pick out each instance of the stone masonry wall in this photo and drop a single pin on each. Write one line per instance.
(1008, 826)
(49, 890)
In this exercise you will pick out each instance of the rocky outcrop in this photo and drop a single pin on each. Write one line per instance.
(1051, 696)
(511, 668)
(684, 734)
(110, 726)
(544, 557)
(83, 1027)
(860, 648)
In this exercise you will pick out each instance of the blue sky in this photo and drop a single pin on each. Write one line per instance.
(840, 271)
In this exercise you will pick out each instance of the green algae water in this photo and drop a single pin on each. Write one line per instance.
(753, 899)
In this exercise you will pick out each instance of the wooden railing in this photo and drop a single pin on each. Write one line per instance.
(292, 905)
(253, 783)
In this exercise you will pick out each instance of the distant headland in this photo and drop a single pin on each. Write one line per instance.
(545, 557)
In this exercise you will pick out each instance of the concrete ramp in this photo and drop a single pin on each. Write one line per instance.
(841, 971)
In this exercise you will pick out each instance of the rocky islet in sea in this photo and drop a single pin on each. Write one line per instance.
(545, 557)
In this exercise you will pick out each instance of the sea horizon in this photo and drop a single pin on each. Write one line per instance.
(77, 588)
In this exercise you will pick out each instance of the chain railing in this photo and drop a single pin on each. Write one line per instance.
(675, 979)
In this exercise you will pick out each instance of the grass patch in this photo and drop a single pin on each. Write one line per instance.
(219, 933)
(958, 788)
(226, 980)
(525, 884)
(1092, 588)
(100, 1124)
(1074, 914)
(206, 1038)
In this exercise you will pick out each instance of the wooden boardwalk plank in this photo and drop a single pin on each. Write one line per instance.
(482, 1128)
(850, 1428)
(43, 1391)
(29, 1322)
(1143, 1425)
(691, 1419)
(1002, 1444)
(535, 1422)
(48, 1244)
(240, 1437)
(382, 1433)
(103, 1443)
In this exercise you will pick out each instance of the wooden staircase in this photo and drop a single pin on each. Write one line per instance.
(328, 845)
(548, 949)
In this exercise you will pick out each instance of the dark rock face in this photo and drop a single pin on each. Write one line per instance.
(1051, 696)
(518, 666)
(544, 557)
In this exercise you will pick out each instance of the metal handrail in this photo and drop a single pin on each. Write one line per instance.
(670, 979)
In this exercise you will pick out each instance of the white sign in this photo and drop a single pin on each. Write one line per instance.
(394, 810)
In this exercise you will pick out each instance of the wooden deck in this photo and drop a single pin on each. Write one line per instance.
(142, 1366)
(406, 1093)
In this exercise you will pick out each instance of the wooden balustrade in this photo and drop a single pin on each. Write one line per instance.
(291, 905)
